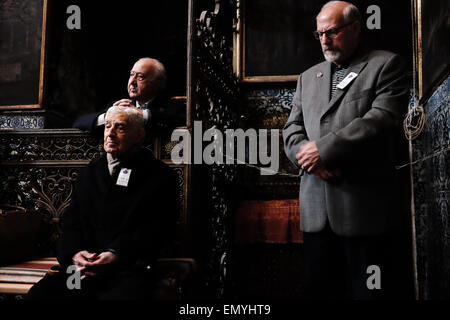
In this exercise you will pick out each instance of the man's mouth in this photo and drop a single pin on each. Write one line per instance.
(111, 142)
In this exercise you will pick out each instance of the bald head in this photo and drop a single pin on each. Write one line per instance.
(343, 10)
(338, 23)
(147, 78)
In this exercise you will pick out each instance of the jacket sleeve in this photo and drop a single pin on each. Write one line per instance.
(294, 132)
(87, 122)
(384, 115)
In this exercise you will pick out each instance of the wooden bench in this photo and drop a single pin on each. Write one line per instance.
(174, 276)
(19, 278)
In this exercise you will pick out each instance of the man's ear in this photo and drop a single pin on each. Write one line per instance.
(357, 28)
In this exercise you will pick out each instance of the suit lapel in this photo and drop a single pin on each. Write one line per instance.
(323, 80)
(357, 66)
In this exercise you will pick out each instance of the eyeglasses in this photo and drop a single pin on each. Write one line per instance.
(330, 33)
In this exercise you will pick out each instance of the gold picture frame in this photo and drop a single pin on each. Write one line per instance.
(430, 46)
(282, 65)
(22, 54)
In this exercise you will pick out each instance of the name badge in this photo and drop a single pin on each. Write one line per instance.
(124, 177)
(349, 78)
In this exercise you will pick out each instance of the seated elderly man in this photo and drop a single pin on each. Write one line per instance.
(122, 217)
(147, 93)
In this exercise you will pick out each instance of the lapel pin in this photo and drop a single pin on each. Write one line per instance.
(319, 75)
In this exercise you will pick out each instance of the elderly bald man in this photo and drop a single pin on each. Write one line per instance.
(340, 134)
(146, 82)
(122, 217)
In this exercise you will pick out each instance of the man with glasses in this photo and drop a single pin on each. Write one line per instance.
(341, 134)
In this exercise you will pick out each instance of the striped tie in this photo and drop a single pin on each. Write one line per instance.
(338, 76)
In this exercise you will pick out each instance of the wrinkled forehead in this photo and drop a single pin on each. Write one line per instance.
(330, 17)
(143, 66)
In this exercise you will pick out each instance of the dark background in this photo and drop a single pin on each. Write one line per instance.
(279, 39)
(88, 68)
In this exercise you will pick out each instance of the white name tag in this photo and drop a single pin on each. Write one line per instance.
(124, 177)
(349, 78)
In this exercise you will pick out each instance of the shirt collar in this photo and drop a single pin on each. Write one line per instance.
(111, 158)
(145, 105)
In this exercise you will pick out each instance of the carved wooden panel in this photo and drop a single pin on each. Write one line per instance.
(18, 147)
(214, 101)
(39, 169)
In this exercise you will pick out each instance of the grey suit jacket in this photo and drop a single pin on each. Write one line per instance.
(355, 134)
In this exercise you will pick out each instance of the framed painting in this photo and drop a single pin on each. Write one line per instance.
(22, 53)
(271, 36)
(432, 47)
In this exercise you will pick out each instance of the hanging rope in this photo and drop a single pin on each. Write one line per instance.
(415, 119)
(414, 122)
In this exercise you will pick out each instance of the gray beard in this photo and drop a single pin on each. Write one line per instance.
(332, 56)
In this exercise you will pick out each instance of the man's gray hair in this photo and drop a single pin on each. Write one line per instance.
(135, 118)
(351, 12)
(159, 75)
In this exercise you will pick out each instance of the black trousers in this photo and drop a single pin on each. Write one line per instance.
(116, 286)
(338, 267)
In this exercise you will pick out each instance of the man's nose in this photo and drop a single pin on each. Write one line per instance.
(132, 80)
(325, 39)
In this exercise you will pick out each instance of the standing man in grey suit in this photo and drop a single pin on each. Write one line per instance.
(341, 135)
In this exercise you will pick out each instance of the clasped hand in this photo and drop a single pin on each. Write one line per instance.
(92, 264)
(127, 103)
(309, 160)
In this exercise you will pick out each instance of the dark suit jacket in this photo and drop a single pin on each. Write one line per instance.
(355, 133)
(87, 122)
(164, 117)
(137, 221)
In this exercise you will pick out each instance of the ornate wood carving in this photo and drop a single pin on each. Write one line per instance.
(215, 96)
(38, 170)
(47, 190)
(48, 145)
